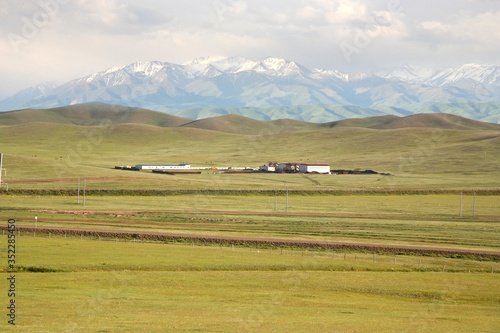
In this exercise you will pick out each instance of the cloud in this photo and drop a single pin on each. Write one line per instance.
(62, 39)
(111, 17)
(345, 12)
(461, 38)
(480, 27)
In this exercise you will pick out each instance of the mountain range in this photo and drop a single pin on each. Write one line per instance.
(274, 88)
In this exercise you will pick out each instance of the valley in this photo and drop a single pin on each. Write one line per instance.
(415, 245)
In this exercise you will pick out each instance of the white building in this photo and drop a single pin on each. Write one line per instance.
(314, 168)
(303, 168)
(267, 168)
(162, 167)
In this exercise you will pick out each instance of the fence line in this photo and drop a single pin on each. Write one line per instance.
(355, 260)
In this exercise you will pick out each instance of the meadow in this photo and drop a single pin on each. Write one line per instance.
(442, 192)
(117, 286)
(427, 220)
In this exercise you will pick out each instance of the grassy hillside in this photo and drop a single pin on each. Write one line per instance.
(89, 140)
(241, 125)
(453, 157)
(92, 114)
(183, 284)
(429, 120)
(436, 120)
(95, 114)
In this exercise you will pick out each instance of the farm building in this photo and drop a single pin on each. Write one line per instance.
(162, 167)
(313, 168)
(303, 167)
(267, 168)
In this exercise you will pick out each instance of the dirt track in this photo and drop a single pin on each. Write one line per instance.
(55, 180)
(398, 249)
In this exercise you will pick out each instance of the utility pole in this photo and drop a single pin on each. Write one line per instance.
(84, 185)
(1, 169)
(461, 203)
(275, 199)
(474, 206)
(286, 208)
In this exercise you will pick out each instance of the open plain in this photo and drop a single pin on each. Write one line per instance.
(415, 249)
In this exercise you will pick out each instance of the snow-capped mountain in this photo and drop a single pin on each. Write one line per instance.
(480, 74)
(234, 65)
(27, 94)
(408, 73)
(279, 88)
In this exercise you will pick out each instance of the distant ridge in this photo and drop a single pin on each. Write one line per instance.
(436, 120)
(92, 114)
(242, 125)
(99, 114)
(428, 120)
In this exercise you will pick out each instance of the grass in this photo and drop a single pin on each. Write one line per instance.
(68, 284)
(425, 220)
(128, 287)
(41, 253)
(257, 302)
(418, 157)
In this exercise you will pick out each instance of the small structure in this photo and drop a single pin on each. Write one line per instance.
(303, 168)
(162, 167)
(1, 169)
(314, 168)
(267, 168)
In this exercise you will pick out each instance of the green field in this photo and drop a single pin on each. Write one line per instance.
(443, 191)
(109, 286)
(427, 220)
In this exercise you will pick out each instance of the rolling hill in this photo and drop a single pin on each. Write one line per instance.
(431, 120)
(77, 138)
(100, 114)
(91, 114)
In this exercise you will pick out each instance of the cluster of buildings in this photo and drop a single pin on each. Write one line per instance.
(173, 167)
(270, 167)
(296, 168)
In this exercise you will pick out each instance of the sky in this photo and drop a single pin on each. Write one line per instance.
(60, 40)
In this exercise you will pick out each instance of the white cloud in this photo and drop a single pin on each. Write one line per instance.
(482, 27)
(83, 36)
(345, 11)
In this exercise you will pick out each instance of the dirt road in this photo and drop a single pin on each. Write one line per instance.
(151, 236)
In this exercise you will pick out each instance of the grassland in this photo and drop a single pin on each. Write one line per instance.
(427, 157)
(426, 220)
(110, 286)
(127, 285)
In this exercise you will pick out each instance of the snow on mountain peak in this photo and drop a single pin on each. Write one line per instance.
(273, 63)
(203, 60)
(483, 74)
(329, 73)
(281, 66)
(407, 73)
(148, 68)
(212, 65)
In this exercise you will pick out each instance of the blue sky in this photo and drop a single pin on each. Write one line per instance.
(58, 40)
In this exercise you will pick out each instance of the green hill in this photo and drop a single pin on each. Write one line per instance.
(91, 114)
(428, 120)
(99, 114)
(241, 125)
(422, 149)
